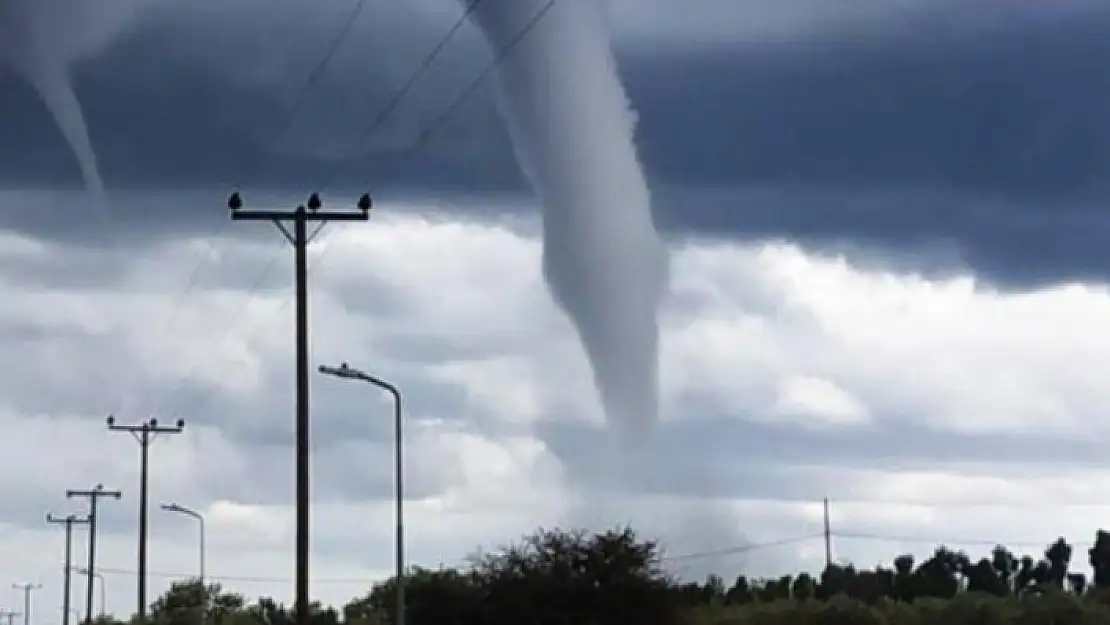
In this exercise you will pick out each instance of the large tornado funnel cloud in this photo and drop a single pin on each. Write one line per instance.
(572, 129)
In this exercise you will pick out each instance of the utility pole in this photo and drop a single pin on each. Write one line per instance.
(145, 433)
(300, 239)
(93, 496)
(828, 537)
(69, 521)
(9, 614)
(27, 589)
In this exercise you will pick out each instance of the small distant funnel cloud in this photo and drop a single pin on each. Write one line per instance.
(41, 39)
(56, 90)
(572, 129)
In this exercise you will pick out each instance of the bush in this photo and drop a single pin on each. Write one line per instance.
(966, 609)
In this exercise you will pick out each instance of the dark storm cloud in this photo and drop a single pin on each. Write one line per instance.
(1012, 111)
(989, 142)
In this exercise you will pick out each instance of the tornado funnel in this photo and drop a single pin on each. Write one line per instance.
(572, 130)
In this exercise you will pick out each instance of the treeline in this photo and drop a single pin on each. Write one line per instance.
(614, 578)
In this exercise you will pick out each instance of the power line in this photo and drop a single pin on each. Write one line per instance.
(311, 81)
(378, 120)
(261, 579)
(932, 540)
(422, 138)
(699, 555)
(1010, 504)
(364, 135)
(175, 308)
(367, 132)
(465, 95)
(737, 549)
(318, 70)
(462, 98)
(742, 548)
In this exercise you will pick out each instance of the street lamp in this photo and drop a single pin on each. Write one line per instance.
(173, 507)
(347, 372)
(80, 570)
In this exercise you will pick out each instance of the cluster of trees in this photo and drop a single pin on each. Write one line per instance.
(614, 578)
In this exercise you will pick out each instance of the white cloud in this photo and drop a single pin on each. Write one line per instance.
(816, 399)
(763, 336)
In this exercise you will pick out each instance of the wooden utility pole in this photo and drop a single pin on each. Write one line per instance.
(144, 433)
(93, 495)
(828, 536)
(69, 521)
(299, 239)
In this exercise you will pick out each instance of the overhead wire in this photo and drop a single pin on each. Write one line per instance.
(426, 134)
(318, 71)
(746, 548)
(733, 550)
(376, 122)
(461, 99)
(261, 579)
(938, 503)
(312, 80)
(937, 541)
(684, 557)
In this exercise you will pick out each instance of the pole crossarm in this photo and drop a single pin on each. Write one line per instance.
(261, 215)
(94, 493)
(150, 426)
(71, 519)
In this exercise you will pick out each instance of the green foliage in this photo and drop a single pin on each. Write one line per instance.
(576, 578)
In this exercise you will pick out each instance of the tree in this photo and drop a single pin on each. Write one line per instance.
(572, 577)
(1100, 559)
(983, 577)
(741, 592)
(1058, 558)
(190, 602)
(577, 578)
(1005, 566)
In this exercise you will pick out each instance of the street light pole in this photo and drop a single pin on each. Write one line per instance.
(145, 433)
(347, 372)
(299, 238)
(69, 522)
(173, 507)
(103, 588)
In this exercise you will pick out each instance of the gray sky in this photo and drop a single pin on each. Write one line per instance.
(888, 286)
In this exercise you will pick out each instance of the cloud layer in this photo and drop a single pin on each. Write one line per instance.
(788, 376)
